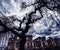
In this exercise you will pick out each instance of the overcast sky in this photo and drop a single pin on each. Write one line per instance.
(46, 26)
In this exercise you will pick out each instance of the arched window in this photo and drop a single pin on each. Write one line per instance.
(28, 44)
(34, 45)
(31, 44)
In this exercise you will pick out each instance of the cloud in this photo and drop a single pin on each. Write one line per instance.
(48, 26)
(45, 25)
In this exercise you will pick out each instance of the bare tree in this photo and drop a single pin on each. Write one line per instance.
(49, 4)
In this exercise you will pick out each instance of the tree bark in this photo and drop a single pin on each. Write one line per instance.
(22, 42)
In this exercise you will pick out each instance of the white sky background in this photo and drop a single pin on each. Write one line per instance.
(12, 7)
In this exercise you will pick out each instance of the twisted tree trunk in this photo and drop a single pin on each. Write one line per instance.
(22, 43)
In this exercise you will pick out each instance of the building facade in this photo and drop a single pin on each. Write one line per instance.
(39, 43)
